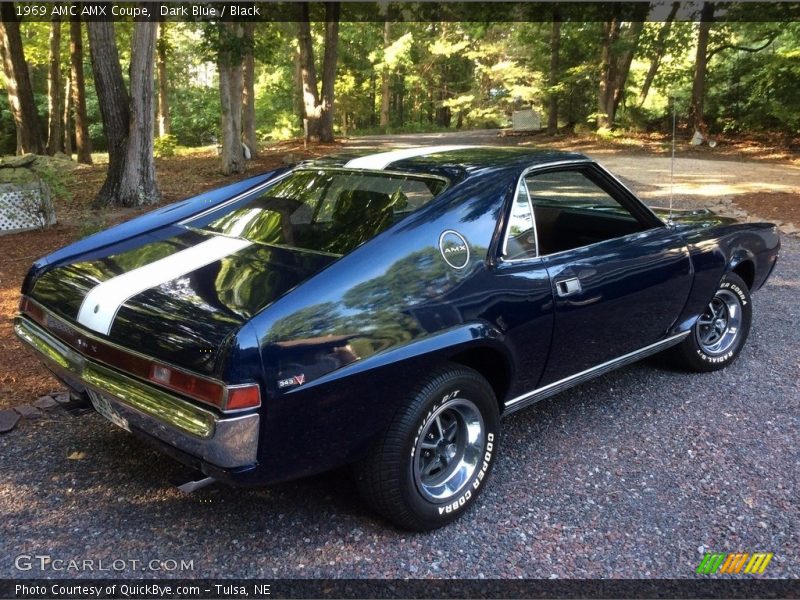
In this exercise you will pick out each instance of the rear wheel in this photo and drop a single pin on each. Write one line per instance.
(721, 331)
(431, 463)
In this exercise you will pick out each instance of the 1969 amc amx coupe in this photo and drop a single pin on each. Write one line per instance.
(384, 311)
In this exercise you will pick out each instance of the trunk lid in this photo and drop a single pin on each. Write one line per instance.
(179, 299)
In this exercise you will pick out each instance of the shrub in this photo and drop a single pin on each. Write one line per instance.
(164, 145)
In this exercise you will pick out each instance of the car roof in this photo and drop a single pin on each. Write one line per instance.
(453, 162)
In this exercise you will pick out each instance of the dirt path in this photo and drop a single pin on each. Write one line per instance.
(737, 187)
(715, 184)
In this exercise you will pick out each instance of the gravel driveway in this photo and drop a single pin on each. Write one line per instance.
(633, 475)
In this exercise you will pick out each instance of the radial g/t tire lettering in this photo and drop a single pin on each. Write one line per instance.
(721, 331)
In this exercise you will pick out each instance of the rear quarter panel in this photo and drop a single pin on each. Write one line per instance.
(362, 331)
(717, 250)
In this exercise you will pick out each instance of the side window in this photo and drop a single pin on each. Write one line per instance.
(572, 211)
(520, 235)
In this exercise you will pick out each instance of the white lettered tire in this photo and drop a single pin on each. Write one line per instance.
(721, 331)
(434, 459)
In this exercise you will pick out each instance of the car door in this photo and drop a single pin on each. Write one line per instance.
(523, 305)
(619, 277)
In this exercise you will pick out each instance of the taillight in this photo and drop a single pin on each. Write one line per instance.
(243, 396)
(206, 390)
(191, 385)
(31, 308)
(210, 391)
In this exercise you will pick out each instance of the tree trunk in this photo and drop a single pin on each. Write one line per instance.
(385, 78)
(248, 94)
(230, 94)
(318, 108)
(400, 87)
(373, 95)
(55, 142)
(610, 29)
(67, 112)
(162, 46)
(308, 76)
(127, 120)
(298, 106)
(114, 105)
(617, 50)
(18, 83)
(138, 186)
(443, 114)
(623, 67)
(82, 141)
(661, 46)
(696, 116)
(552, 101)
(332, 10)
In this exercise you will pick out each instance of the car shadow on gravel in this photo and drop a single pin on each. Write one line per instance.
(106, 474)
(94, 456)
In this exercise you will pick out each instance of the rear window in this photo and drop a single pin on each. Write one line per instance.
(323, 210)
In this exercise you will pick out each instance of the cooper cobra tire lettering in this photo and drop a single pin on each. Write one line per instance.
(737, 290)
(730, 311)
(461, 501)
(436, 456)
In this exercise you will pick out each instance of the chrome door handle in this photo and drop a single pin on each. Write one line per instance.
(567, 287)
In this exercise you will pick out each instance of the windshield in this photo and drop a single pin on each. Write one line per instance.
(326, 211)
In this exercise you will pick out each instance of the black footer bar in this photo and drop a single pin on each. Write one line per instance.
(189, 589)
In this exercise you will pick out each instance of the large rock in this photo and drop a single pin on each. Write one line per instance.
(25, 198)
(8, 420)
(18, 175)
(17, 161)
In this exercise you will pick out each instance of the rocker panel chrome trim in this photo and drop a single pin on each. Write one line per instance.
(554, 388)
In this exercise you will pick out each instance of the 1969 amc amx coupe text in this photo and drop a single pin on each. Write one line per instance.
(384, 311)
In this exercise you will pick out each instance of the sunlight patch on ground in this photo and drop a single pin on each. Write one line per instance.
(716, 190)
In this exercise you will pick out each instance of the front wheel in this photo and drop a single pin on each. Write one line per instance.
(721, 331)
(431, 463)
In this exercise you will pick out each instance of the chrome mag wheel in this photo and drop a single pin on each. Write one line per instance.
(449, 450)
(436, 456)
(719, 326)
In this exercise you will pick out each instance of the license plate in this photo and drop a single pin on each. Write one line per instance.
(103, 406)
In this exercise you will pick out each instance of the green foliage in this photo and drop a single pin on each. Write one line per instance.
(165, 145)
(195, 116)
(8, 132)
(757, 91)
(456, 74)
(284, 128)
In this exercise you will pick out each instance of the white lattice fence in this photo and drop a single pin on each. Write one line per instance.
(25, 206)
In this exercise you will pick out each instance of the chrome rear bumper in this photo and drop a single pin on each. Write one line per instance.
(223, 442)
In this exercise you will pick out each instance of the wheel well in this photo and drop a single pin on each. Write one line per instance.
(747, 271)
(491, 364)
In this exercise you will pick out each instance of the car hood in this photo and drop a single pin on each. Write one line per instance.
(179, 299)
(699, 217)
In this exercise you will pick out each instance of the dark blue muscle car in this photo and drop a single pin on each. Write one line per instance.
(384, 311)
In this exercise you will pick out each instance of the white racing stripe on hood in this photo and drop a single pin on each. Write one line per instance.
(100, 306)
(384, 159)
